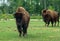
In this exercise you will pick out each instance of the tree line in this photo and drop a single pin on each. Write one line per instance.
(34, 7)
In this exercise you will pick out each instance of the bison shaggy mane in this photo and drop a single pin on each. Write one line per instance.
(22, 18)
(50, 16)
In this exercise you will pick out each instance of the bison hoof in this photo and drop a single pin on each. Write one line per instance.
(24, 35)
(19, 35)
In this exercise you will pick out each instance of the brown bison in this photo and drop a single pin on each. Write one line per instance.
(22, 20)
(50, 16)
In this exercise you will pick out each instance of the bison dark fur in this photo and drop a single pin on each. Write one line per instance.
(22, 20)
(50, 16)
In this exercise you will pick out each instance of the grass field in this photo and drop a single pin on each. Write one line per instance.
(36, 32)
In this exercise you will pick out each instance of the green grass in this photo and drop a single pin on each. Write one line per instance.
(36, 32)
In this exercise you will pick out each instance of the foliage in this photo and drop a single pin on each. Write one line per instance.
(51, 8)
(36, 17)
(32, 6)
(6, 16)
(10, 16)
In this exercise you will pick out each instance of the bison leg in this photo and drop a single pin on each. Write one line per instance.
(48, 23)
(25, 29)
(52, 23)
(58, 21)
(55, 23)
(19, 29)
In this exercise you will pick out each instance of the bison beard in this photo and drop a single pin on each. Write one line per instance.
(22, 21)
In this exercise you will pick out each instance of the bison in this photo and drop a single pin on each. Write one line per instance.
(22, 18)
(50, 16)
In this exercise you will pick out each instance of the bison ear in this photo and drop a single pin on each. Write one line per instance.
(44, 11)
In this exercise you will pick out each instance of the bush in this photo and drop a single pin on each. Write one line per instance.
(36, 17)
(10, 16)
(6, 16)
(51, 8)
